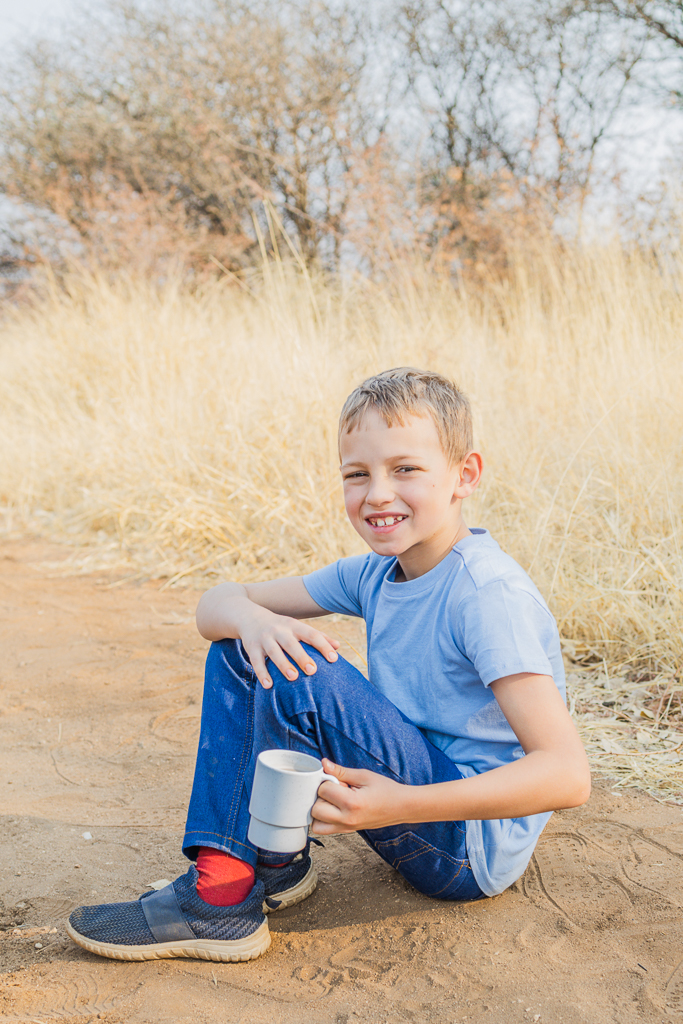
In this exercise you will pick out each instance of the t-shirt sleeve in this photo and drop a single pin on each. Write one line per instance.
(337, 587)
(503, 630)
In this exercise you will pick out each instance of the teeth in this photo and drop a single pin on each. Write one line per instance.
(387, 521)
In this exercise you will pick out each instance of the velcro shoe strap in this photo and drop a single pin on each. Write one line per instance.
(164, 916)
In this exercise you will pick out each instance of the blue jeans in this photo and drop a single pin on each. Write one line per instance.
(335, 713)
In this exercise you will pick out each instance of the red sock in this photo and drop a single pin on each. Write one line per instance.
(223, 880)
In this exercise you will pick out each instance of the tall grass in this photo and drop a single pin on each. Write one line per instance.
(198, 428)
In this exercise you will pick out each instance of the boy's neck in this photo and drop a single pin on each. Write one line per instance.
(415, 563)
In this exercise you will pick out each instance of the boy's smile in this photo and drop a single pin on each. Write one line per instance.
(402, 494)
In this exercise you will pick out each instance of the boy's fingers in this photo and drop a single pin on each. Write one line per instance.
(330, 807)
(281, 661)
(279, 650)
(324, 828)
(300, 656)
(349, 776)
(327, 810)
(323, 643)
(259, 666)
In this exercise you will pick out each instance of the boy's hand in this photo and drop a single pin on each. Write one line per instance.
(364, 800)
(266, 617)
(265, 634)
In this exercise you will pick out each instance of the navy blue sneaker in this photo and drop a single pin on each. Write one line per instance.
(290, 884)
(174, 922)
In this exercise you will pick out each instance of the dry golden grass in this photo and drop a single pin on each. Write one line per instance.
(181, 432)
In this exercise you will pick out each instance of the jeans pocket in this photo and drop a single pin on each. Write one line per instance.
(431, 871)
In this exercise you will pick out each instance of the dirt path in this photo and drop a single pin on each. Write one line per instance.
(99, 713)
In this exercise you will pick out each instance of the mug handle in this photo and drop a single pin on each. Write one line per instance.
(325, 778)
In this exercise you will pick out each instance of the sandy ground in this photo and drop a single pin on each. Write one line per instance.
(99, 712)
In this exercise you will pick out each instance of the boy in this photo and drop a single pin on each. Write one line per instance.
(450, 757)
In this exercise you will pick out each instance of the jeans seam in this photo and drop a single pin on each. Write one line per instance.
(433, 849)
(418, 853)
(219, 835)
(462, 864)
(247, 749)
(398, 839)
(428, 848)
(425, 848)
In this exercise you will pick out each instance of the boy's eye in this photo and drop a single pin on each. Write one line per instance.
(406, 469)
(350, 476)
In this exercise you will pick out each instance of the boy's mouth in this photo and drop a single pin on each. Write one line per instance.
(385, 522)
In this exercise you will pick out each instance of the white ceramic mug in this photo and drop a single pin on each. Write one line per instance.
(285, 788)
(276, 838)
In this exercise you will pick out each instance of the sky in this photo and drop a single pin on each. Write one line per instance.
(17, 17)
(654, 133)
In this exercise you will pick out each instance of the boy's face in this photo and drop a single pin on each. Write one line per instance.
(402, 494)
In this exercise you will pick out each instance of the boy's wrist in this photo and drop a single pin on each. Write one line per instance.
(426, 803)
(242, 613)
(414, 804)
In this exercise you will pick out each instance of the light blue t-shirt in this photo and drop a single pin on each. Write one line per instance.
(435, 644)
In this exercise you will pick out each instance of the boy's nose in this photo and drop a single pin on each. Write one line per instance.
(379, 493)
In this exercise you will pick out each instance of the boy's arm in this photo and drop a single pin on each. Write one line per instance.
(554, 774)
(264, 616)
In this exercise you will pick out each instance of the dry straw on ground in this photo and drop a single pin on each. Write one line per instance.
(182, 433)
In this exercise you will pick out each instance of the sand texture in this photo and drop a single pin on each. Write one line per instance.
(99, 717)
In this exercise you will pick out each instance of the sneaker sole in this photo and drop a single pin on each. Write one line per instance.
(301, 891)
(219, 950)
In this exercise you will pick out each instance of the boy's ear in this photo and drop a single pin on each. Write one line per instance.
(470, 471)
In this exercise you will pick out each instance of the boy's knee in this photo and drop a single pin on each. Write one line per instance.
(319, 659)
(324, 670)
(320, 690)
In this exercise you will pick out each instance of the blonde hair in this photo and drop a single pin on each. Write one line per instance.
(405, 391)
